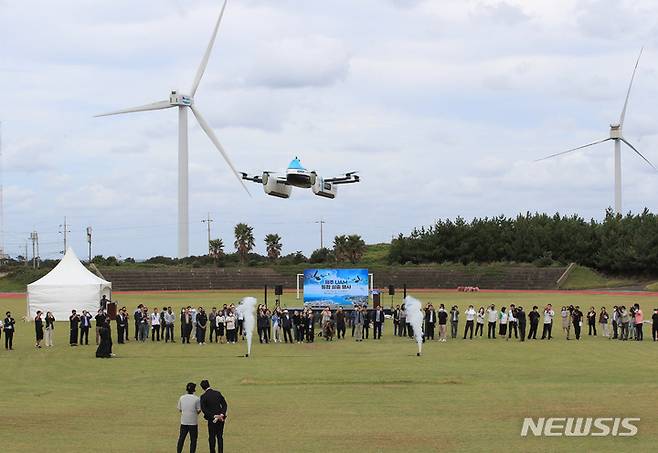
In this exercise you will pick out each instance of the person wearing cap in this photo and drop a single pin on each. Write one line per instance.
(189, 406)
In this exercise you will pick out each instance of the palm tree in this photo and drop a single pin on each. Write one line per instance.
(244, 240)
(273, 245)
(355, 247)
(216, 249)
(340, 248)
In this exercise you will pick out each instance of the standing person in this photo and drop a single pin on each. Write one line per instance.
(479, 324)
(639, 319)
(276, 326)
(492, 316)
(169, 319)
(548, 322)
(358, 324)
(591, 321)
(85, 325)
(137, 314)
(99, 318)
(502, 322)
(9, 326)
(340, 323)
(286, 323)
(520, 317)
(104, 350)
(103, 303)
(74, 322)
(615, 322)
(299, 326)
(231, 327)
(186, 326)
(189, 406)
(215, 410)
(155, 325)
(577, 319)
(240, 325)
(534, 323)
(565, 314)
(442, 315)
(454, 321)
(631, 322)
(201, 325)
(511, 322)
(50, 327)
(212, 324)
(402, 324)
(261, 325)
(38, 329)
(603, 322)
(624, 319)
(366, 322)
(470, 319)
(144, 324)
(396, 319)
(378, 322)
(654, 325)
(430, 322)
(122, 325)
(310, 326)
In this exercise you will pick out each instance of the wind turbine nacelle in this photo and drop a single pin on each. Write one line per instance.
(324, 189)
(615, 131)
(275, 188)
(180, 99)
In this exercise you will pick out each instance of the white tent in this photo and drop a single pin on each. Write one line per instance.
(68, 286)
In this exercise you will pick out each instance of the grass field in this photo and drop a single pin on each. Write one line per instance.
(339, 396)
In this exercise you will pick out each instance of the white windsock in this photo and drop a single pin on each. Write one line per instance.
(248, 310)
(413, 307)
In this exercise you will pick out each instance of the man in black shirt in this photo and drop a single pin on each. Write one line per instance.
(520, 318)
(534, 323)
(577, 317)
(430, 322)
(9, 326)
(74, 321)
(215, 410)
(100, 320)
(122, 325)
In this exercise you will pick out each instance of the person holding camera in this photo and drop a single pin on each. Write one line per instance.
(189, 406)
(548, 322)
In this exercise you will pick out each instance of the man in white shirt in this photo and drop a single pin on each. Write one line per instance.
(169, 318)
(155, 325)
(548, 322)
(189, 406)
(470, 317)
(492, 316)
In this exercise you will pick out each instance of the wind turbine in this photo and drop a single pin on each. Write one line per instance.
(617, 136)
(185, 102)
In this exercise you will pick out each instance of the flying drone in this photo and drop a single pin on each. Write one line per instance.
(298, 176)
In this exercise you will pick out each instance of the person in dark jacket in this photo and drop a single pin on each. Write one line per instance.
(534, 322)
(104, 350)
(215, 411)
(286, 325)
(577, 319)
(340, 322)
(430, 322)
(201, 325)
(378, 322)
(9, 325)
(298, 322)
(38, 328)
(74, 322)
(520, 318)
(263, 325)
(309, 321)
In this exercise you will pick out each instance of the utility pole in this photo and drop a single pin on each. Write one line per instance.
(89, 241)
(65, 230)
(26, 258)
(34, 237)
(208, 221)
(321, 222)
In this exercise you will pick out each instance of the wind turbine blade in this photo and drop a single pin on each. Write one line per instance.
(573, 149)
(630, 85)
(213, 138)
(206, 56)
(142, 108)
(638, 153)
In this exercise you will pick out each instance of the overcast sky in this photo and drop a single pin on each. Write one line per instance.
(442, 105)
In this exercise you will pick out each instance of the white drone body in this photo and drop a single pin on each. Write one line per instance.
(298, 176)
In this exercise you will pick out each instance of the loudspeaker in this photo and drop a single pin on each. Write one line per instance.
(391, 290)
(278, 290)
(112, 310)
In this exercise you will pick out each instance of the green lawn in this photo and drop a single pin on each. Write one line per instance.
(339, 396)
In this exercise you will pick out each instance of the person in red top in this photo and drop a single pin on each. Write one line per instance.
(639, 319)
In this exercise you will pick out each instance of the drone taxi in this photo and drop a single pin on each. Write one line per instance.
(298, 176)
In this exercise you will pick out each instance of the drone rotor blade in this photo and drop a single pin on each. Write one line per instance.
(573, 149)
(142, 108)
(638, 153)
(206, 56)
(630, 85)
(213, 138)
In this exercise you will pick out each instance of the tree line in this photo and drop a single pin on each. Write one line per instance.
(618, 244)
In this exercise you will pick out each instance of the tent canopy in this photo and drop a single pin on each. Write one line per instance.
(67, 287)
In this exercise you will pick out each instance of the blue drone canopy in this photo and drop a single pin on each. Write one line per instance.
(295, 165)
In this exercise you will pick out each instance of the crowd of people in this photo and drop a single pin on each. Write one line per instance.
(280, 325)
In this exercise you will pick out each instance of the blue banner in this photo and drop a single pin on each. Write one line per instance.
(335, 287)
